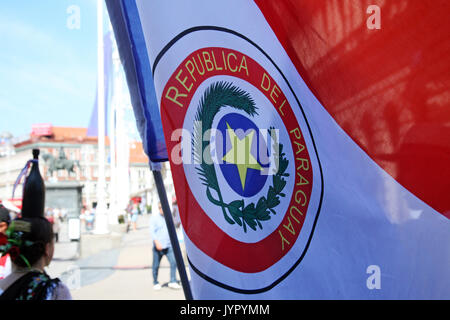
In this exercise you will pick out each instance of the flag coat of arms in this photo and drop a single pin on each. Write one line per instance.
(282, 188)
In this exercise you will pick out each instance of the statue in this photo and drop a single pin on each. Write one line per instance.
(62, 154)
(60, 163)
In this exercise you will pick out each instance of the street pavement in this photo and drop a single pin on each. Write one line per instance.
(118, 272)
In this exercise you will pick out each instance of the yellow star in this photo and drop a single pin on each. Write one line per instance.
(240, 154)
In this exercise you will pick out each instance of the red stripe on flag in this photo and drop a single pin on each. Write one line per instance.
(388, 88)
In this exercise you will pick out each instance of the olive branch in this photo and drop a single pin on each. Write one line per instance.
(216, 96)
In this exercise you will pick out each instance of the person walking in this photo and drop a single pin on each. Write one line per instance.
(90, 218)
(162, 247)
(56, 223)
(134, 216)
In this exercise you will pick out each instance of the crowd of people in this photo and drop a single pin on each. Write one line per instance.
(87, 218)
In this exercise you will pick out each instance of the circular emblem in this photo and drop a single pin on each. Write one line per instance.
(246, 172)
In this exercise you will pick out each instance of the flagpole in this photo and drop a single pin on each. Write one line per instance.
(101, 218)
(172, 232)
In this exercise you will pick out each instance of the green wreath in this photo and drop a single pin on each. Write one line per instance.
(216, 96)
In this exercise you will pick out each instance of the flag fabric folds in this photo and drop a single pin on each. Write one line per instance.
(308, 142)
(92, 130)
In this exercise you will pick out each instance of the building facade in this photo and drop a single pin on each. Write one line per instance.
(73, 145)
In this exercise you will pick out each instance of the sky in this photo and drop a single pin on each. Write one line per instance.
(48, 67)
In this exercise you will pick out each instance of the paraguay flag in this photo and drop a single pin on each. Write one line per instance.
(309, 141)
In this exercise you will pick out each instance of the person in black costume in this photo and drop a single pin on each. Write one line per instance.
(29, 241)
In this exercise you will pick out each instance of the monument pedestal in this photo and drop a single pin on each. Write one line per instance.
(66, 195)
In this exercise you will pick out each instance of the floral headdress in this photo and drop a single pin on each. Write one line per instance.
(11, 241)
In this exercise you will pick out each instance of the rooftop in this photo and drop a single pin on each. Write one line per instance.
(76, 135)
